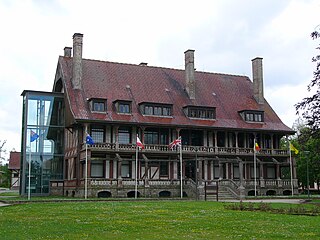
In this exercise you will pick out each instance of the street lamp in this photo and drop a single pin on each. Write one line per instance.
(308, 185)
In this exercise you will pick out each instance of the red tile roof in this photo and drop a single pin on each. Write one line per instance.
(116, 81)
(14, 160)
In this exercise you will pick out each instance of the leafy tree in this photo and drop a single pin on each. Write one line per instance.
(5, 176)
(310, 106)
(2, 149)
(309, 155)
(5, 173)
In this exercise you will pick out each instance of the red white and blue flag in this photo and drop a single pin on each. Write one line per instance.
(139, 143)
(175, 143)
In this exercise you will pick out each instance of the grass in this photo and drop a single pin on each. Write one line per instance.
(9, 194)
(149, 220)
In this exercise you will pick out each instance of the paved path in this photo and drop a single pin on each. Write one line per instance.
(3, 204)
(294, 201)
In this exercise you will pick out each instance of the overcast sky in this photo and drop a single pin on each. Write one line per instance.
(225, 34)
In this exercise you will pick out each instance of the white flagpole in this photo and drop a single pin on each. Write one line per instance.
(291, 170)
(181, 169)
(29, 177)
(136, 173)
(255, 166)
(86, 177)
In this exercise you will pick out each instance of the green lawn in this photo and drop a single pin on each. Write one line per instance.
(149, 220)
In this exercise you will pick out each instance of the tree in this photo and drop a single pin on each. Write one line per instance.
(5, 176)
(2, 150)
(5, 173)
(310, 106)
(309, 155)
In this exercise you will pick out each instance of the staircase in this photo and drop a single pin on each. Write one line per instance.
(224, 194)
(226, 190)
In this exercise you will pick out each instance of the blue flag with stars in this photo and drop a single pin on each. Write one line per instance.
(89, 140)
(33, 136)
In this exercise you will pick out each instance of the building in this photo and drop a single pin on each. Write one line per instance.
(218, 116)
(14, 167)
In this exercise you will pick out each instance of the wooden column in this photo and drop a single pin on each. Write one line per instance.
(220, 170)
(241, 173)
(205, 169)
(119, 170)
(146, 170)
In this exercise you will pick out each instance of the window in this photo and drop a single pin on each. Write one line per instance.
(200, 112)
(236, 173)
(97, 169)
(151, 136)
(164, 170)
(156, 109)
(216, 171)
(98, 105)
(156, 136)
(125, 169)
(252, 116)
(271, 172)
(97, 134)
(124, 108)
(148, 110)
(252, 172)
(166, 111)
(124, 135)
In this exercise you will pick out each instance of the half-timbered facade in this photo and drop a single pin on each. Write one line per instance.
(218, 116)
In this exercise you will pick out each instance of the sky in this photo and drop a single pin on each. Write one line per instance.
(225, 34)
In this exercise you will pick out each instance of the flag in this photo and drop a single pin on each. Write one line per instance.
(175, 143)
(33, 136)
(256, 147)
(292, 148)
(139, 143)
(89, 140)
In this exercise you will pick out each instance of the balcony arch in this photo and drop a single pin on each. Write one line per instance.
(104, 194)
(131, 194)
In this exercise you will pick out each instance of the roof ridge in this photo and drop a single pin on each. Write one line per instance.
(170, 68)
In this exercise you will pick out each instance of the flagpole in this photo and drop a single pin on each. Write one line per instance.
(255, 166)
(136, 173)
(181, 193)
(29, 177)
(86, 177)
(291, 170)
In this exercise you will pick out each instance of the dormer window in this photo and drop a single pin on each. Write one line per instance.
(200, 112)
(98, 105)
(154, 109)
(252, 116)
(123, 107)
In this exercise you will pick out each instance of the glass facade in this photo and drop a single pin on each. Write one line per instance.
(42, 141)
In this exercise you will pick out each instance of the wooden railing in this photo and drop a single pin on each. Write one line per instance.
(132, 182)
(185, 149)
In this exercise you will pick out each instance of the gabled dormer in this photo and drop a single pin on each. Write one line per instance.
(253, 116)
(123, 106)
(200, 112)
(98, 105)
(155, 109)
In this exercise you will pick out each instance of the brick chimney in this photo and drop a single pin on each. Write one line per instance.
(189, 73)
(67, 51)
(77, 61)
(257, 75)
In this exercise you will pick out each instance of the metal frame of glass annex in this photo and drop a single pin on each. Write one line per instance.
(43, 119)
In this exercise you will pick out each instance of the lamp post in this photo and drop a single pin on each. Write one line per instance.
(308, 185)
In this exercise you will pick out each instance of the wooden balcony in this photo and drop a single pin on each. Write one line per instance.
(203, 150)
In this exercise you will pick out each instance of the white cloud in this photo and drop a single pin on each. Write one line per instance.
(226, 35)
